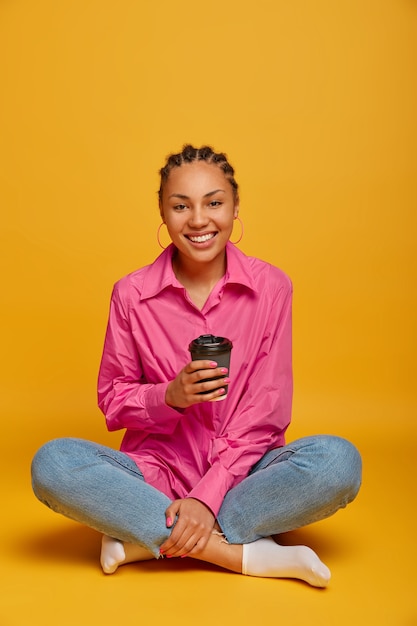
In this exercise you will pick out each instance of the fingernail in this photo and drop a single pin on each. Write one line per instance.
(183, 556)
(226, 381)
(213, 363)
(224, 370)
(169, 521)
(161, 551)
(169, 556)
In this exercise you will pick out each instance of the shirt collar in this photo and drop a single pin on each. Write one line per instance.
(160, 275)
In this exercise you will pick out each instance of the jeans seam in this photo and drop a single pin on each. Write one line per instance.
(282, 452)
(135, 471)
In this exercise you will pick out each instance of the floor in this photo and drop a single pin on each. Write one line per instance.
(50, 572)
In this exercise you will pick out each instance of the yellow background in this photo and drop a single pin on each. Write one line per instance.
(315, 104)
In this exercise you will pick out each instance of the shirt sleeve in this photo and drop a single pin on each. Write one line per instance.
(124, 396)
(263, 414)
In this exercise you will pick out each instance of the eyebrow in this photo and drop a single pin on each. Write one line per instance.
(206, 195)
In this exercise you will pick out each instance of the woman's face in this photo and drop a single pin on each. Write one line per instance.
(198, 207)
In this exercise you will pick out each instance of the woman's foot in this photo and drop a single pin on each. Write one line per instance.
(268, 559)
(264, 558)
(115, 553)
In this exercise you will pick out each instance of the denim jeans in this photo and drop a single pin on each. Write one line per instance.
(290, 487)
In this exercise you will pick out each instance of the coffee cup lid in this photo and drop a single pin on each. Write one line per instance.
(210, 343)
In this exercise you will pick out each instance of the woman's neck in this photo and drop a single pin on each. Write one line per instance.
(199, 277)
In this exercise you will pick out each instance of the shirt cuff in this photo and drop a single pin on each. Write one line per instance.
(157, 407)
(213, 487)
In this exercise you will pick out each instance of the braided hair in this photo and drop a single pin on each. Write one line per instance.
(189, 154)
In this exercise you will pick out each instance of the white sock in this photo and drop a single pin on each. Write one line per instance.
(268, 559)
(115, 553)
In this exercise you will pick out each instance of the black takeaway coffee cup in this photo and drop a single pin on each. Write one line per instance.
(216, 349)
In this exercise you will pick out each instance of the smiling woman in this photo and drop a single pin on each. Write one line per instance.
(198, 201)
(212, 481)
(198, 206)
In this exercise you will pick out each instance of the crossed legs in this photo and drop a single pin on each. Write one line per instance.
(290, 487)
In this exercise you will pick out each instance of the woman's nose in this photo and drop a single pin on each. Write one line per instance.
(198, 218)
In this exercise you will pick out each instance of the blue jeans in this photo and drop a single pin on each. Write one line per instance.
(290, 487)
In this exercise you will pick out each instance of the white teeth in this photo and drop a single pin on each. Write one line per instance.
(201, 238)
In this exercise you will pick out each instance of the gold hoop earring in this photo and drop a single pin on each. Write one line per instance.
(158, 238)
(242, 230)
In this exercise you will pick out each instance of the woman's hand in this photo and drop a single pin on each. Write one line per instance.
(192, 530)
(184, 390)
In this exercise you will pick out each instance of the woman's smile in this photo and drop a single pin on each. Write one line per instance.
(201, 239)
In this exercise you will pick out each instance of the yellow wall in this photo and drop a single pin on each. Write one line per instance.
(315, 104)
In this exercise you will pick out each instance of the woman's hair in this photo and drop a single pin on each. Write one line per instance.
(189, 154)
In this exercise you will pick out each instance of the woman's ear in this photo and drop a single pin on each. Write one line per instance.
(236, 208)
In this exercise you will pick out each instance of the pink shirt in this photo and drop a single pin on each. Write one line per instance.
(208, 448)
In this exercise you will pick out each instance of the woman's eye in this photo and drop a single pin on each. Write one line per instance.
(215, 203)
(180, 207)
